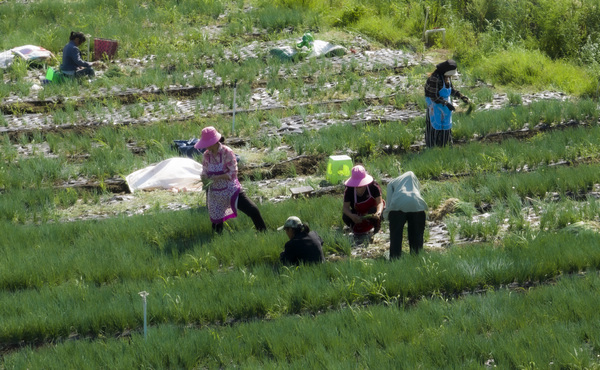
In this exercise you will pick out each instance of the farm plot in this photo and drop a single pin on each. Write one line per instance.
(508, 276)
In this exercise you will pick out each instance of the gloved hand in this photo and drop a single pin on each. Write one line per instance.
(450, 106)
(465, 100)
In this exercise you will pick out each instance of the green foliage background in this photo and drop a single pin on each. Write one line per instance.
(527, 42)
(557, 28)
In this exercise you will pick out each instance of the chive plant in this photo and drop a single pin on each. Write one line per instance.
(260, 288)
(369, 336)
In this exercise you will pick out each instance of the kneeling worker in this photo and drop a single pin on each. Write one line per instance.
(362, 197)
(304, 246)
(72, 64)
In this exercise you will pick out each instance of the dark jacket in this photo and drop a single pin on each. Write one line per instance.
(72, 58)
(303, 247)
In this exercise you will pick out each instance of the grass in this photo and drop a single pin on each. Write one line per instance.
(69, 290)
(105, 152)
(572, 146)
(254, 289)
(381, 336)
(487, 188)
(518, 68)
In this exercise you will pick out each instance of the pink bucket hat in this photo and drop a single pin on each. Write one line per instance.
(209, 136)
(359, 177)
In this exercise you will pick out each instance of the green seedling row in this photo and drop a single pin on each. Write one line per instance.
(109, 154)
(368, 139)
(554, 325)
(549, 113)
(202, 295)
(174, 243)
(522, 216)
(152, 245)
(571, 146)
(480, 187)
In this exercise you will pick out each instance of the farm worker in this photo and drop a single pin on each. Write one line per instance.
(438, 89)
(304, 246)
(405, 205)
(363, 205)
(225, 194)
(72, 64)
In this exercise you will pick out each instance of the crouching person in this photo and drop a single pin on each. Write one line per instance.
(72, 64)
(362, 197)
(405, 206)
(304, 246)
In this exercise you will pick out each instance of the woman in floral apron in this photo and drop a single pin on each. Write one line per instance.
(225, 195)
(363, 205)
(438, 89)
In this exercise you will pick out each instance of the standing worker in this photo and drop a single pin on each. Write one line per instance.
(225, 194)
(72, 64)
(405, 205)
(304, 246)
(363, 205)
(438, 89)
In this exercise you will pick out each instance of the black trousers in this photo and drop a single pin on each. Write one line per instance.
(435, 137)
(416, 229)
(82, 72)
(249, 208)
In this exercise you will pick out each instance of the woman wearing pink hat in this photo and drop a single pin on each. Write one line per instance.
(225, 195)
(362, 197)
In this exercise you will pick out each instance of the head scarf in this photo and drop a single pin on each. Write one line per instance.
(446, 66)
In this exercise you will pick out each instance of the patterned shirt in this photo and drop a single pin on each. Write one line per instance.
(222, 193)
(434, 84)
(224, 155)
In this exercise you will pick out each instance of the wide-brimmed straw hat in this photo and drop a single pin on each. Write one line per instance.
(209, 136)
(292, 222)
(359, 177)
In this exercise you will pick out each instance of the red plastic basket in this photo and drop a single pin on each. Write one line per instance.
(105, 47)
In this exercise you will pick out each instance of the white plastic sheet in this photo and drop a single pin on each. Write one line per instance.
(326, 49)
(26, 52)
(176, 174)
(6, 58)
(319, 49)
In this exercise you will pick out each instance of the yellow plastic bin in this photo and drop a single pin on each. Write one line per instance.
(338, 168)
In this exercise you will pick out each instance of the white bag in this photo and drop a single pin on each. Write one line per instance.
(178, 174)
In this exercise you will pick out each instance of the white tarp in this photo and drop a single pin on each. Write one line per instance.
(27, 52)
(6, 58)
(177, 174)
(319, 49)
(326, 49)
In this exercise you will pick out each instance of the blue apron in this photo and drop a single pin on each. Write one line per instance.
(440, 116)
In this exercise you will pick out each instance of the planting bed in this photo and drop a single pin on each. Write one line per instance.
(181, 103)
(513, 212)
